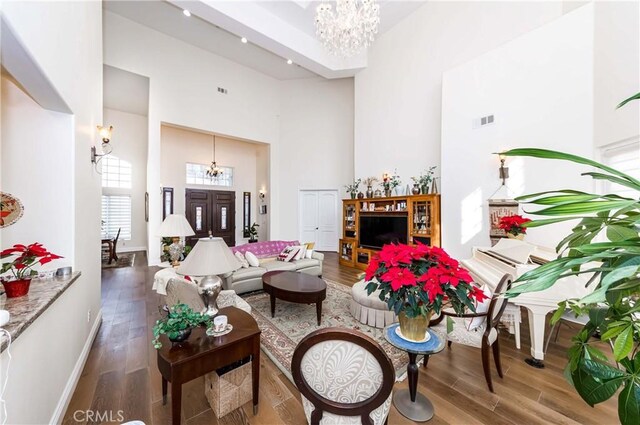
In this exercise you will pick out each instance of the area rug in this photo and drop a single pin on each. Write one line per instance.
(125, 259)
(292, 322)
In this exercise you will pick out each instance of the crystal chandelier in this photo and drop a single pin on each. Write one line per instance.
(348, 29)
(214, 171)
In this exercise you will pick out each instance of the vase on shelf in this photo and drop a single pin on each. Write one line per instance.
(387, 193)
(377, 194)
(416, 189)
(353, 195)
(181, 336)
(360, 195)
(424, 189)
(434, 186)
(414, 328)
(369, 193)
(519, 237)
(16, 288)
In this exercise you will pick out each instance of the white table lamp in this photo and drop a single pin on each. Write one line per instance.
(209, 258)
(175, 226)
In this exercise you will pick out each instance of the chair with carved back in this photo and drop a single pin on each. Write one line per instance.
(485, 335)
(344, 377)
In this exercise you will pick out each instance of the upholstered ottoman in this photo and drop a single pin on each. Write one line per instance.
(368, 309)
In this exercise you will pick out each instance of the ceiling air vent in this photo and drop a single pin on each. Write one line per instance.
(222, 90)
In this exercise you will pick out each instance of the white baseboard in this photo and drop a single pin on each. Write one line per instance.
(131, 249)
(65, 398)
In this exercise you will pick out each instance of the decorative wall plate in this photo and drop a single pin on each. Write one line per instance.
(11, 209)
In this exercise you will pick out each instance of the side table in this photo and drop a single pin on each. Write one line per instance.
(201, 354)
(409, 402)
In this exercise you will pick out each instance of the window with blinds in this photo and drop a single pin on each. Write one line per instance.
(116, 214)
(197, 174)
(116, 172)
(625, 158)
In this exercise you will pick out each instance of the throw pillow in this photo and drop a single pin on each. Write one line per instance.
(483, 307)
(288, 254)
(309, 253)
(252, 259)
(243, 261)
(310, 245)
(302, 249)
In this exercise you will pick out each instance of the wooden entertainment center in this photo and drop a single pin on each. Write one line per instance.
(423, 223)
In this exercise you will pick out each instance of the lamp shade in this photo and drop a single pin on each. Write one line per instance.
(175, 225)
(210, 256)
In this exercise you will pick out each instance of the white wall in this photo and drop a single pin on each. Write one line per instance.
(540, 89)
(129, 142)
(616, 71)
(316, 144)
(65, 39)
(314, 151)
(179, 146)
(37, 168)
(398, 95)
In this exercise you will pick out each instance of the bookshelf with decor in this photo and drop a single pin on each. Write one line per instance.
(370, 223)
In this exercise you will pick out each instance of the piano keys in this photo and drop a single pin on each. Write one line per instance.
(488, 265)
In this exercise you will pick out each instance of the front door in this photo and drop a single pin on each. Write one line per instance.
(211, 213)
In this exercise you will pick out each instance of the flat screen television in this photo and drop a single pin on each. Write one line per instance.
(378, 230)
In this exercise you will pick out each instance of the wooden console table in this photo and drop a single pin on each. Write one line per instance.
(202, 354)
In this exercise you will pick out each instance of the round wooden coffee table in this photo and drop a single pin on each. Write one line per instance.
(295, 287)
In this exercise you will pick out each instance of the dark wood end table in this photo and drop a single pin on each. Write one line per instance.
(295, 287)
(202, 354)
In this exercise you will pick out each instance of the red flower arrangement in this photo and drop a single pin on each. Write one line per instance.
(514, 224)
(419, 280)
(26, 258)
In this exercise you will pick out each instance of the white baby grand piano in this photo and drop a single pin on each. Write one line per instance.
(488, 265)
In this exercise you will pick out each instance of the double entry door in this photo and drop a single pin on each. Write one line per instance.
(319, 218)
(211, 213)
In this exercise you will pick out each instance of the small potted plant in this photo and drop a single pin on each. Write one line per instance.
(513, 225)
(389, 183)
(369, 182)
(421, 183)
(253, 233)
(177, 324)
(352, 189)
(22, 267)
(418, 281)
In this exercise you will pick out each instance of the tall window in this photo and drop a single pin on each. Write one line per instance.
(197, 174)
(116, 215)
(624, 157)
(116, 172)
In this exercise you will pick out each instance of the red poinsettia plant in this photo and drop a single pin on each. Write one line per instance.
(514, 224)
(419, 280)
(26, 257)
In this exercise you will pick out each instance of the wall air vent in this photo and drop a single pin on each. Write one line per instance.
(483, 121)
(222, 90)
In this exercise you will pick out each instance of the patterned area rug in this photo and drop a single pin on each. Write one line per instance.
(125, 259)
(292, 322)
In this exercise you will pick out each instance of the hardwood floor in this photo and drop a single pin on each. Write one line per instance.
(121, 381)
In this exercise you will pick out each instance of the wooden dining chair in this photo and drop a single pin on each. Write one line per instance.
(114, 245)
(344, 377)
(484, 336)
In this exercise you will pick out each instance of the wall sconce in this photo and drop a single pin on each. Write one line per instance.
(261, 194)
(503, 171)
(105, 134)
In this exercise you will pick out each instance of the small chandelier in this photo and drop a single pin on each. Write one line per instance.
(350, 28)
(214, 171)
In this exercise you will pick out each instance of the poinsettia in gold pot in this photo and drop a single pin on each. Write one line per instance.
(25, 258)
(417, 282)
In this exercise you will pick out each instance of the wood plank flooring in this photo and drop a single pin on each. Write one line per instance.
(122, 379)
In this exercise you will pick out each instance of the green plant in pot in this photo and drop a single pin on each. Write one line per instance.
(605, 245)
(253, 232)
(177, 324)
(352, 189)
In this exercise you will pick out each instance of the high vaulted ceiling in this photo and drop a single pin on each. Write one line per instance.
(276, 31)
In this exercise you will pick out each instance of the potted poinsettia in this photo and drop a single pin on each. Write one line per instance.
(417, 282)
(26, 257)
(513, 225)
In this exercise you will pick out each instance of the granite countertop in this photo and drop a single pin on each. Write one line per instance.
(25, 310)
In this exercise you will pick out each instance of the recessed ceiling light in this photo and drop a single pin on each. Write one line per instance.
(289, 61)
(186, 12)
(244, 40)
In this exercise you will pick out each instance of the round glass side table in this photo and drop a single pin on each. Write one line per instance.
(409, 402)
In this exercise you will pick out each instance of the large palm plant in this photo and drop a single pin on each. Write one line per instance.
(614, 265)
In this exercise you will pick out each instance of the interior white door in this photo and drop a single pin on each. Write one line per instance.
(308, 205)
(327, 221)
(319, 218)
